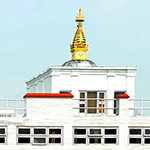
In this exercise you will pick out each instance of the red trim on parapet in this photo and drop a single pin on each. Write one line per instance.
(122, 96)
(48, 95)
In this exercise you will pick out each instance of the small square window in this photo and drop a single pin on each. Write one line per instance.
(135, 140)
(54, 131)
(79, 140)
(40, 140)
(95, 140)
(101, 95)
(2, 130)
(23, 140)
(82, 95)
(135, 131)
(110, 131)
(95, 131)
(147, 132)
(2, 140)
(147, 140)
(23, 131)
(79, 131)
(110, 140)
(54, 140)
(82, 106)
(39, 131)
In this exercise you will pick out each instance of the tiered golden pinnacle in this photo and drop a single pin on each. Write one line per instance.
(79, 47)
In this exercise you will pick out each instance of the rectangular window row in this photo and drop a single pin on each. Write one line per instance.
(81, 135)
(39, 135)
(95, 135)
(139, 135)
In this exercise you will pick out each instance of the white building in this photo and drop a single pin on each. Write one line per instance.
(77, 106)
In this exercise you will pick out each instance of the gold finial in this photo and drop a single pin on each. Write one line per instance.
(80, 17)
(79, 47)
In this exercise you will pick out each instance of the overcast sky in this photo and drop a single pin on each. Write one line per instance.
(35, 34)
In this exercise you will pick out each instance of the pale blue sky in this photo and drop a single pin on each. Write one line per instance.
(35, 34)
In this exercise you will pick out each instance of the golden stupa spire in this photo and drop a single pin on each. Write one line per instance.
(79, 47)
(80, 16)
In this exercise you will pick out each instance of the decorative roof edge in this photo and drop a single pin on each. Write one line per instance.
(83, 68)
(48, 95)
(122, 96)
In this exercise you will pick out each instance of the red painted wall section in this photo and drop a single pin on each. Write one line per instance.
(122, 96)
(48, 95)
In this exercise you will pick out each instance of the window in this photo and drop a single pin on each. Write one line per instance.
(139, 135)
(24, 131)
(116, 93)
(39, 131)
(23, 139)
(110, 131)
(135, 131)
(79, 140)
(79, 131)
(39, 140)
(55, 140)
(110, 141)
(92, 102)
(95, 135)
(65, 91)
(54, 131)
(39, 135)
(95, 132)
(55, 135)
(2, 135)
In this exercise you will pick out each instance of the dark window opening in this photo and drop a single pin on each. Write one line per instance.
(39, 140)
(101, 95)
(80, 131)
(65, 92)
(147, 140)
(39, 131)
(110, 131)
(54, 131)
(23, 140)
(2, 131)
(135, 131)
(95, 140)
(118, 92)
(95, 131)
(110, 140)
(54, 140)
(80, 140)
(135, 140)
(82, 106)
(2, 140)
(24, 131)
(82, 95)
(115, 102)
(147, 131)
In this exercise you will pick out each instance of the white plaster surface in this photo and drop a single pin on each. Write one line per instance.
(108, 79)
(47, 112)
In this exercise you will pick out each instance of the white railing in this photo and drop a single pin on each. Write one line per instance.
(12, 107)
(96, 106)
(139, 107)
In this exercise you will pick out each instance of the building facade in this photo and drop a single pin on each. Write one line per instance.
(77, 105)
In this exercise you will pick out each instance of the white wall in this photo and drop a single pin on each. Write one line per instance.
(76, 78)
(46, 112)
